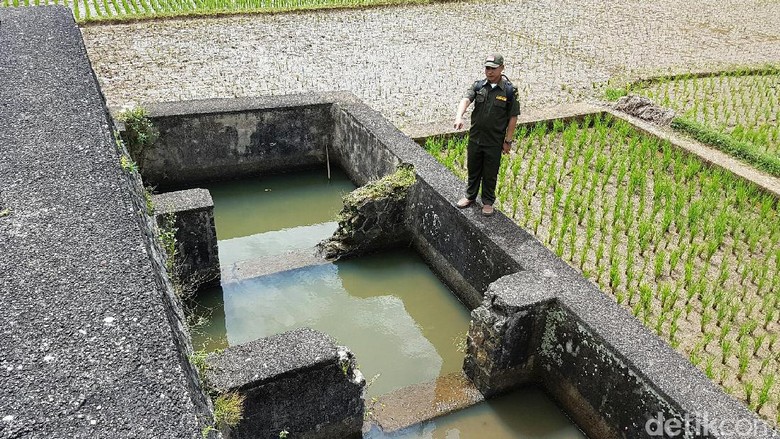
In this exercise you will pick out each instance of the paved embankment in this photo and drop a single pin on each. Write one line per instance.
(90, 345)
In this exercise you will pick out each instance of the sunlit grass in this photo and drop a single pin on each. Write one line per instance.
(96, 11)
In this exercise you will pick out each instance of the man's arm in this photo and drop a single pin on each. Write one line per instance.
(510, 133)
(462, 106)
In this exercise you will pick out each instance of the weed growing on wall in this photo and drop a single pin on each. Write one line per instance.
(167, 237)
(692, 251)
(228, 410)
(140, 134)
(128, 164)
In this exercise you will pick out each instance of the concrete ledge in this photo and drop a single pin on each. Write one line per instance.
(422, 402)
(92, 339)
(293, 260)
(298, 381)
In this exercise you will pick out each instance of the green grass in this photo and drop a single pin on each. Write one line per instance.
(692, 251)
(99, 11)
(737, 111)
(746, 151)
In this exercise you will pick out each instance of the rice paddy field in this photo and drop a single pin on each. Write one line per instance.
(85, 11)
(692, 251)
(736, 111)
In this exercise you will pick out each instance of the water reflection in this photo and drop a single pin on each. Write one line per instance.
(524, 414)
(391, 311)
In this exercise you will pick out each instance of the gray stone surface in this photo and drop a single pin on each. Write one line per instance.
(223, 139)
(91, 341)
(298, 381)
(196, 261)
(186, 200)
(423, 402)
(643, 108)
(293, 260)
(413, 63)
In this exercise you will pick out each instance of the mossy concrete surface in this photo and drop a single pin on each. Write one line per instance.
(299, 381)
(373, 217)
(191, 215)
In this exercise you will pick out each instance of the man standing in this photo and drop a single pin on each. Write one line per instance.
(492, 127)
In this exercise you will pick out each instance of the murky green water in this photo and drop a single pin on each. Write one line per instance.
(525, 414)
(401, 322)
(251, 206)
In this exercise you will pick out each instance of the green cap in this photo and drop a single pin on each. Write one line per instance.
(494, 60)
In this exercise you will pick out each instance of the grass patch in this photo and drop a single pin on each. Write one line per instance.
(228, 410)
(742, 150)
(99, 11)
(613, 94)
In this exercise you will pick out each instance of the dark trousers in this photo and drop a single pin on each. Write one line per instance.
(483, 163)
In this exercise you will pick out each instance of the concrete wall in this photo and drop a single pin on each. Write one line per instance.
(230, 138)
(298, 381)
(92, 342)
(196, 258)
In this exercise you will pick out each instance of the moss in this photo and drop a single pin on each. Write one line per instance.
(228, 410)
(394, 186)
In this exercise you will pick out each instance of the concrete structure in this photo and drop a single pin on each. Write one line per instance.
(373, 217)
(299, 381)
(538, 321)
(205, 141)
(196, 262)
(92, 341)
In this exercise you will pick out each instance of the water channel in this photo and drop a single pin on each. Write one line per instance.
(403, 324)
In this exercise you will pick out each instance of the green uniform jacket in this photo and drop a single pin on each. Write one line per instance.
(491, 113)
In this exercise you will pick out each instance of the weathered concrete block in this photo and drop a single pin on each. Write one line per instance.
(197, 256)
(298, 381)
(503, 339)
(373, 217)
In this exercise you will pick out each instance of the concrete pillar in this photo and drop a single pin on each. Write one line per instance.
(196, 262)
